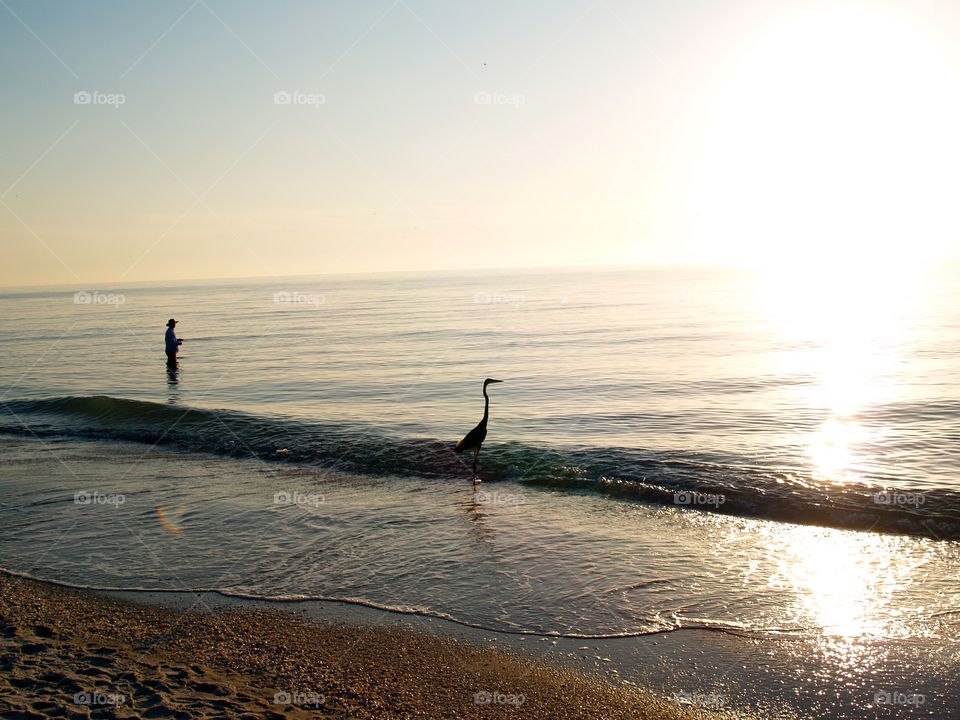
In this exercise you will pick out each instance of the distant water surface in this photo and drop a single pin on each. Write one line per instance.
(791, 398)
(751, 453)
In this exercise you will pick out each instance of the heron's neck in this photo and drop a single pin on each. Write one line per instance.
(486, 405)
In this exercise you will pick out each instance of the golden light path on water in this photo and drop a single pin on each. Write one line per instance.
(850, 322)
(846, 583)
(852, 589)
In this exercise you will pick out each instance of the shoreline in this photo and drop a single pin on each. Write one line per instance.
(82, 652)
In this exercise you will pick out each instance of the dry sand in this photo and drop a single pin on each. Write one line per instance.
(75, 654)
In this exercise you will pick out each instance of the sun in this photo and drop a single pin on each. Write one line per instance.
(831, 140)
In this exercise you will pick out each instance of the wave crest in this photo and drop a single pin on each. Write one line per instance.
(698, 480)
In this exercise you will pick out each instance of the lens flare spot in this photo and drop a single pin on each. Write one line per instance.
(165, 522)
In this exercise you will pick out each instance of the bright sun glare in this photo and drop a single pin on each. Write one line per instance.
(833, 140)
(845, 328)
(830, 165)
(845, 583)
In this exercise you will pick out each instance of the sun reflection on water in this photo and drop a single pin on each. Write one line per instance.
(833, 450)
(845, 583)
(845, 327)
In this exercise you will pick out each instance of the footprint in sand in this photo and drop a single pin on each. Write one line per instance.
(177, 674)
(90, 670)
(46, 707)
(148, 699)
(34, 648)
(264, 715)
(43, 631)
(212, 689)
(164, 711)
(100, 662)
(63, 683)
(223, 706)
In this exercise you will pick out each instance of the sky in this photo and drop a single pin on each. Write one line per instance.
(205, 138)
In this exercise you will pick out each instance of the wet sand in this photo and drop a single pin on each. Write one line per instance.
(76, 654)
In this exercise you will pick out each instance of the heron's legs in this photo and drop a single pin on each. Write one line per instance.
(476, 453)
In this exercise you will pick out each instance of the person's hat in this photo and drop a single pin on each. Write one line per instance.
(171, 322)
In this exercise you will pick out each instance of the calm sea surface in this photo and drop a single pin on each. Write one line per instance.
(771, 455)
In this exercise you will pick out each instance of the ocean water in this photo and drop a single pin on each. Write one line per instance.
(770, 456)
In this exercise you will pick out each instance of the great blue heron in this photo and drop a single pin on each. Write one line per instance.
(474, 439)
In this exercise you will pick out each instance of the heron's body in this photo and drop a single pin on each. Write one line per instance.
(474, 439)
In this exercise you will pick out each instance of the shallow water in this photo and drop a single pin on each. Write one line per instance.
(502, 556)
(853, 612)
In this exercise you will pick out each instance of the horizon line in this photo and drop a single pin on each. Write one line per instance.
(597, 267)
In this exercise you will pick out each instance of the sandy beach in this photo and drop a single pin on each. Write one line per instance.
(71, 653)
